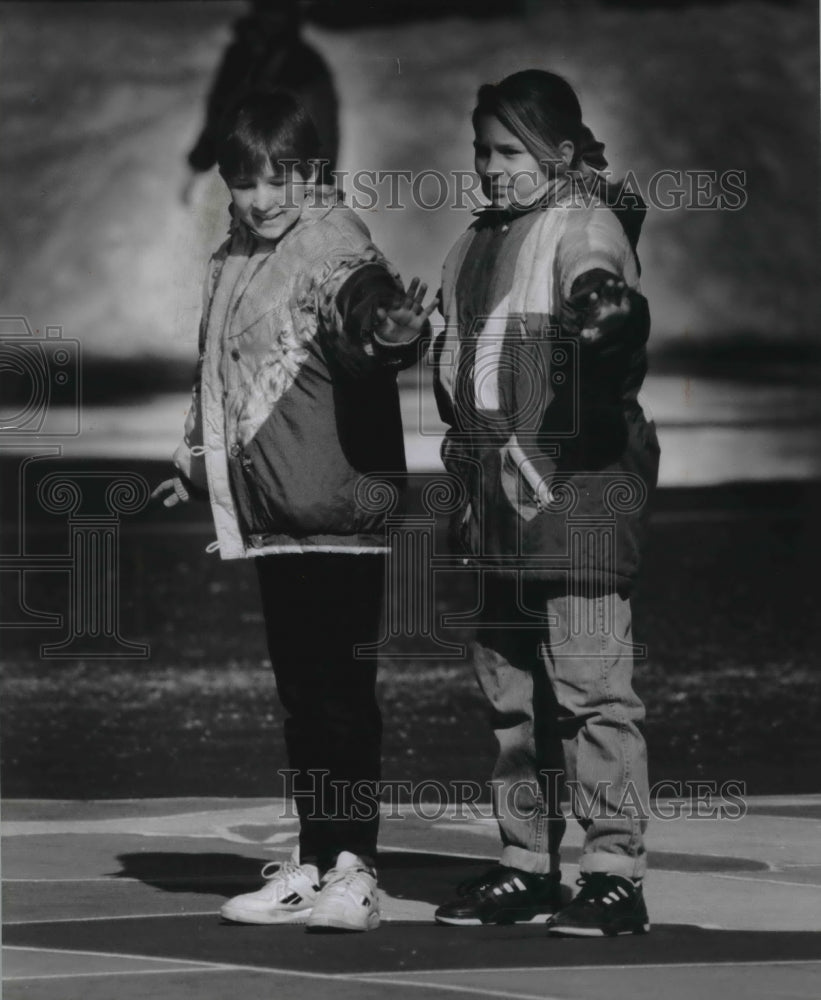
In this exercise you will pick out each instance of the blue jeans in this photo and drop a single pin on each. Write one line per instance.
(556, 669)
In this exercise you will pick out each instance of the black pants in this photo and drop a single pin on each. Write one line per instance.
(317, 607)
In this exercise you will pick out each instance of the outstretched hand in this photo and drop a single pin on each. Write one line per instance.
(606, 311)
(405, 319)
(171, 492)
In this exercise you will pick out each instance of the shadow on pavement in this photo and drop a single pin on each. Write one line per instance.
(421, 876)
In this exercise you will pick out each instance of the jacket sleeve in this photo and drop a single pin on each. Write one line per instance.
(347, 301)
(611, 369)
(631, 333)
(591, 252)
(189, 458)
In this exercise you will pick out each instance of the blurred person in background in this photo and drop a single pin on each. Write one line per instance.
(267, 53)
(305, 326)
(548, 274)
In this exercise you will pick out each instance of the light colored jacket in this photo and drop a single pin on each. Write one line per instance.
(293, 404)
(549, 440)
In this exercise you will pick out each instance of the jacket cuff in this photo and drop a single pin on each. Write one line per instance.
(631, 333)
(402, 353)
(366, 289)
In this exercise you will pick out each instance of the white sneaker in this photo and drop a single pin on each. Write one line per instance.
(348, 899)
(287, 897)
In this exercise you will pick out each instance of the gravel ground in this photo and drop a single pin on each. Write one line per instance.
(727, 607)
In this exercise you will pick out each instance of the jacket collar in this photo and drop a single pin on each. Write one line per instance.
(554, 191)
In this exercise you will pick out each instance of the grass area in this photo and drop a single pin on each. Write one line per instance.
(727, 608)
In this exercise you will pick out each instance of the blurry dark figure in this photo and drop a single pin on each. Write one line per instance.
(355, 13)
(268, 53)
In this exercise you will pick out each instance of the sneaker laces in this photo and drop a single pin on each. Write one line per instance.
(283, 868)
(283, 871)
(342, 879)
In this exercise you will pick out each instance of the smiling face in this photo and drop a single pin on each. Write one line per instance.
(509, 173)
(270, 202)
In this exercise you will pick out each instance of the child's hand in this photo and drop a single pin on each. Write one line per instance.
(404, 320)
(606, 311)
(173, 491)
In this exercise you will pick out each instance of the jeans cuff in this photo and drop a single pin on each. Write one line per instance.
(613, 864)
(529, 861)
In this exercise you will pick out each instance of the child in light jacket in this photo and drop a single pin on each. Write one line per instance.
(305, 325)
(537, 375)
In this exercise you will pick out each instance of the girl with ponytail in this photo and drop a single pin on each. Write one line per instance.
(537, 376)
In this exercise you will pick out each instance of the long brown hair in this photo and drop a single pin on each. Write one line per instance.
(542, 110)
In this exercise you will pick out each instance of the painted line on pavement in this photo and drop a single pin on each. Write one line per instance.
(763, 881)
(204, 966)
(102, 975)
(123, 916)
(453, 988)
(595, 968)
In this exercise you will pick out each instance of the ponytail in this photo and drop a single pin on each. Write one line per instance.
(542, 110)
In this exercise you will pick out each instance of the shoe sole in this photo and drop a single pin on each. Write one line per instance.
(595, 931)
(240, 917)
(539, 918)
(331, 926)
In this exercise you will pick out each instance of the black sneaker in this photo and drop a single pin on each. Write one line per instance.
(504, 896)
(606, 905)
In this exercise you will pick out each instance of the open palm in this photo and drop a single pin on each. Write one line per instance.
(405, 319)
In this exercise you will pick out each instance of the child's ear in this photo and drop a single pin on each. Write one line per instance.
(567, 151)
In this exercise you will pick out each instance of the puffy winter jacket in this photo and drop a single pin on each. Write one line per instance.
(295, 401)
(545, 433)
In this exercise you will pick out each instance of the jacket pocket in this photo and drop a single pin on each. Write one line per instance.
(526, 485)
(288, 493)
(257, 514)
(460, 531)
